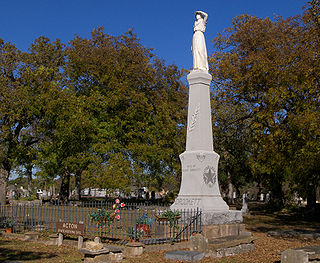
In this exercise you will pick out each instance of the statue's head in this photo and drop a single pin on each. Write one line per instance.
(198, 15)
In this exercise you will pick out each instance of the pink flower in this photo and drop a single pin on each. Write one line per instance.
(114, 206)
(117, 201)
(122, 205)
(117, 217)
(117, 211)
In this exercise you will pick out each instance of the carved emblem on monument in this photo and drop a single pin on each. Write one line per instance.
(194, 118)
(201, 157)
(209, 175)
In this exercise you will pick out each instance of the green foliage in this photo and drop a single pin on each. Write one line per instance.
(139, 105)
(267, 72)
(102, 217)
(29, 198)
(172, 217)
(134, 233)
(103, 110)
(145, 220)
(7, 223)
(28, 87)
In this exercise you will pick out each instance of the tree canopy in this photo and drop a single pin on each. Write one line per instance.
(104, 110)
(269, 70)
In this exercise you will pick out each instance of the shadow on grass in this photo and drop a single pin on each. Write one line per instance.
(9, 254)
(264, 221)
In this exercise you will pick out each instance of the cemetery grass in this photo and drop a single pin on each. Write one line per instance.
(267, 248)
(17, 250)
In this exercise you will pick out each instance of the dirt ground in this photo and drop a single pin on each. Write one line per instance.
(267, 249)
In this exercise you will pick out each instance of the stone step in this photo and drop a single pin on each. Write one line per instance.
(190, 256)
(301, 255)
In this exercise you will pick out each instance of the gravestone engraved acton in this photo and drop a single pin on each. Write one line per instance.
(68, 228)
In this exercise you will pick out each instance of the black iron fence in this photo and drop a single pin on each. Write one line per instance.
(151, 224)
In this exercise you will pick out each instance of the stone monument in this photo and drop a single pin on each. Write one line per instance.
(199, 184)
(244, 208)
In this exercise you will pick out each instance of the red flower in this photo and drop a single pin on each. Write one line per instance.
(117, 201)
(122, 205)
(117, 210)
(117, 217)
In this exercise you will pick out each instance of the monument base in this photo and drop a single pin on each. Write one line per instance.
(213, 203)
(224, 230)
(218, 214)
(221, 217)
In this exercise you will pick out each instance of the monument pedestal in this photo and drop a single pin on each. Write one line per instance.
(199, 184)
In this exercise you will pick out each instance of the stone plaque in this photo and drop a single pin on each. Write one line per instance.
(68, 228)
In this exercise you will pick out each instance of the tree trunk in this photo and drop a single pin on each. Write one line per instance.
(277, 195)
(29, 177)
(64, 187)
(311, 197)
(5, 169)
(77, 185)
(230, 188)
(4, 175)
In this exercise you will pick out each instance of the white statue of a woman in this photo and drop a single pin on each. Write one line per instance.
(199, 50)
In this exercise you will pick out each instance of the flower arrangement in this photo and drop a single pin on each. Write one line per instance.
(144, 223)
(104, 217)
(7, 223)
(134, 233)
(171, 216)
(145, 220)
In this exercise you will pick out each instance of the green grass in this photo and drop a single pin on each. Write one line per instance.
(14, 250)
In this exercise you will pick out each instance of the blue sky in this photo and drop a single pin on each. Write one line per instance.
(165, 25)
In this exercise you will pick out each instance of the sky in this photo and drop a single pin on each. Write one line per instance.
(164, 25)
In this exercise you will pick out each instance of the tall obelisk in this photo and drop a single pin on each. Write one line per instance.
(199, 184)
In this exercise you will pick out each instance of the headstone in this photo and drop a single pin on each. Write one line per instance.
(133, 249)
(294, 256)
(190, 256)
(267, 200)
(80, 242)
(95, 255)
(31, 236)
(53, 239)
(97, 240)
(199, 184)
(234, 196)
(115, 257)
(198, 243)
(90, 245)
(301, 255)
(60, 239)
(244, 208)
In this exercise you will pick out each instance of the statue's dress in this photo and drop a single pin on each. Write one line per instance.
(199, 50)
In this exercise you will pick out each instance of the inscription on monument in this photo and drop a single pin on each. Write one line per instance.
(187, 201)
(209, 175)
(191, 168)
